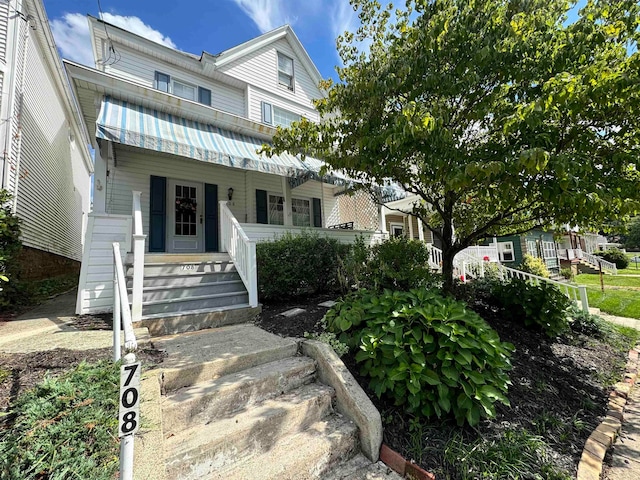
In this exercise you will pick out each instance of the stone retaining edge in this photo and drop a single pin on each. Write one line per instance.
(351, 401)
(603, 437)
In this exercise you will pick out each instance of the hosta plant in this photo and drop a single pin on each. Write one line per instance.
(426, 352)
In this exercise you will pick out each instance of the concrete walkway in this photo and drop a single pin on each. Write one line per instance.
(624, 321)
(49, 326)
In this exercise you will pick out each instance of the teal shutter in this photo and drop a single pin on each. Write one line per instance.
(267, 115)
(262, 207)
(204, 96)
(210, 217)
(158, 214)
(162, 81)
(317, 212)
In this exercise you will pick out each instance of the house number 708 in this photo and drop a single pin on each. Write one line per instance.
(129, 414)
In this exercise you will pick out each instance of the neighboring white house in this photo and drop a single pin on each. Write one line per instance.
(45, 161)
(183, 130)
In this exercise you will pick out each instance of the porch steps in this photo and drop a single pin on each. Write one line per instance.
(186, 292)
(241, 403)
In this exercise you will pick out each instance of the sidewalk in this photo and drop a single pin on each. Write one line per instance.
(624, 321)
(50, 326)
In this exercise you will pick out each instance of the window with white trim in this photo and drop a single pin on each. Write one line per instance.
(549, 249)
(276, 210)
(284, 118)
(184, 90)
(532, 248)
(397, 229)
(505, 251)
(301, 212)
(285, 71)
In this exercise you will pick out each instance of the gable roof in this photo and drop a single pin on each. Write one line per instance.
(261, 41)
(216, 61)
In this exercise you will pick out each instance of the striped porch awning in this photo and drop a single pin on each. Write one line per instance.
(134, 125)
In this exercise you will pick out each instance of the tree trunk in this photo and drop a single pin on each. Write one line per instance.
(448, 253)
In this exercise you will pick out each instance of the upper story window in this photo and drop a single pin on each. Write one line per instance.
(181, 89)
(285, 71)
(276, 116)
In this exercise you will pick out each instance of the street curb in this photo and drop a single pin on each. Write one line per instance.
(402, 466)
(603, 437)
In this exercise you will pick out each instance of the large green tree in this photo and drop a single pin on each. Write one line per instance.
(500, 115)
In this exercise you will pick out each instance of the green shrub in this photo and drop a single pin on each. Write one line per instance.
(352, 267)
(534, 265)
(65, 427)
(567, 273)
(10, 247)
(426, 352)
(588, 324)
(398, 264)
(542, 306)
(291, 266)
(614, 255)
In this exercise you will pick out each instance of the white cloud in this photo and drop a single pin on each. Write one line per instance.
(71, 33)
(266, 14)
(343, 18)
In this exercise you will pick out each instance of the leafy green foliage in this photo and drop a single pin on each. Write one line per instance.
(511, 454)
(10, 246)
(65, 427)
(567, 273)
(398, 264)
(632, 238)
(298, 265)
(534, 265)
(614, 255)
(353, 266)
(426, 352)
(541, 306)
(588, 324)
(500, 115)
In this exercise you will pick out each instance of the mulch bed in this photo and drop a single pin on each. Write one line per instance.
(559, 389)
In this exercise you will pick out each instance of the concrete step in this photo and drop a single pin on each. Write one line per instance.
(304, 456)
(205, 449)
(361, 468)
(165, 292)
(205, 402)
(180, 279)
(209, 354)
(183, 268)
(176, 305)
(160, 324)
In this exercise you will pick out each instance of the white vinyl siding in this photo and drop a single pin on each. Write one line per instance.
(139, 68)
(4, 31)
(54, 182)
(265, 61)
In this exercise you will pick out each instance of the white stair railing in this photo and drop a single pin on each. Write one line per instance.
(604, 265)
(122, 317)
(435, 256)
(138, 259)
(241, 249)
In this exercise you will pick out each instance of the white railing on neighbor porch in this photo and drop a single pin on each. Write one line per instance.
(570, 254)
(467, 264)
(241, 249)
(138, 258)
(122, 317)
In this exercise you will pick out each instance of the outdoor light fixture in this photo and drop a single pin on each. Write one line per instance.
(230, 193)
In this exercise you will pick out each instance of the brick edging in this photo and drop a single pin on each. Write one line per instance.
(603, 437)
(402, 466)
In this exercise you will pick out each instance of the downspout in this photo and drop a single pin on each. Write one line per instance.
(6, 154)
(23, 76)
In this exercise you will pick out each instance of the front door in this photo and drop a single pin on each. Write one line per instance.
(185, 212)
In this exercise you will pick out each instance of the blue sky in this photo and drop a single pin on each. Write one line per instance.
(213, 25)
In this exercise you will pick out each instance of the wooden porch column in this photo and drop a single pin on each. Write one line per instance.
(383, 219)
(286, 194)
(410, 220)
(420, 230)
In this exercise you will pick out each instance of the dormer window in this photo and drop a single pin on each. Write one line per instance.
(285, 71)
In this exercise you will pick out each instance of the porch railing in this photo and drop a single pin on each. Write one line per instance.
(570, 254)
(138, 258)
(122, 317)
(241, 249)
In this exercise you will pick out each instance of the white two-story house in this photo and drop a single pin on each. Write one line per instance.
(183, 130)
(45, 162)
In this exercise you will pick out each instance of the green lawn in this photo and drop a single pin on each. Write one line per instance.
(631, 269)
(609, 281)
